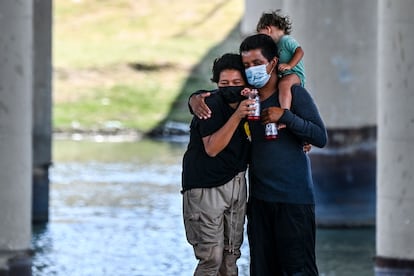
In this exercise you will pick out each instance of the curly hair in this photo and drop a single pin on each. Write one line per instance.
(275, 18)
(227, 61)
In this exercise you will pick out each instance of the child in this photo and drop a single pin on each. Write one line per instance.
(290, 54)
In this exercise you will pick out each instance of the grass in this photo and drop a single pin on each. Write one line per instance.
(132, 63)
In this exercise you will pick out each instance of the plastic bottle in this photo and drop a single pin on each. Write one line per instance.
(254, 95)
(271, 131)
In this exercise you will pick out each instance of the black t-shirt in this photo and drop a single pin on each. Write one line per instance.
(203, 171)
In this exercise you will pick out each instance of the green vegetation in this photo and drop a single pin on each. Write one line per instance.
(132, 63)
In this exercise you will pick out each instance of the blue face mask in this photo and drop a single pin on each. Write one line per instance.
(257, 75)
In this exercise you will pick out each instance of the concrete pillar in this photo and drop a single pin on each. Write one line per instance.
(395, 174)
(254, 9)
(339, 39)
(42, 106)
(15, 136)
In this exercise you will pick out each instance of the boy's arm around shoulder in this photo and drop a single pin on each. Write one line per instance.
(304, 119)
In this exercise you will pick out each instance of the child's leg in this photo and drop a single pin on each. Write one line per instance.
(285, 83)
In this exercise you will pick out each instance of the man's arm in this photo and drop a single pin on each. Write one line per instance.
(216, 142)
(197, 104)
(303, 119)
(310, 131)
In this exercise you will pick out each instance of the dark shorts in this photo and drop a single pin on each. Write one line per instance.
(281, 238)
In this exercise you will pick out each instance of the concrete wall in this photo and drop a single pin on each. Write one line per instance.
(395, 194)
(15, 135)
(340, 40)
(42, 107)
(253, 10)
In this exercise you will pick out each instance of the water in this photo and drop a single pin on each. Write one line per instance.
(115, 209)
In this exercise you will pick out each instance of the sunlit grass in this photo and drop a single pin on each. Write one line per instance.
(128, 60)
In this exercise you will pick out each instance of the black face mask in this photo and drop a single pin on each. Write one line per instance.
(231, 94)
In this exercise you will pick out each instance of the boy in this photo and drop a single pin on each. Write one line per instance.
(291, 68)
(213, 177)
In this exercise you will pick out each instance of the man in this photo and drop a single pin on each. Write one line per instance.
(281, 216)
(213, 178)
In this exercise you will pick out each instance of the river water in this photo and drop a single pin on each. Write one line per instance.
(115, 209)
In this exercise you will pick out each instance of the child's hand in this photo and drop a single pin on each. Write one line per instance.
(246, 92)
(307, 147)
(284, 66)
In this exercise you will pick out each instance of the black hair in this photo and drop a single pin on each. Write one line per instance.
(225, 62)
(260, 41)
(275, 18)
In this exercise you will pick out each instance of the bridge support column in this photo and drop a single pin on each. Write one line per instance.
(16, 71)
(395, 174)
(42, 108)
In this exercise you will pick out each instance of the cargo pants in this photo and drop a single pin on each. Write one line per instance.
(214, 222)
